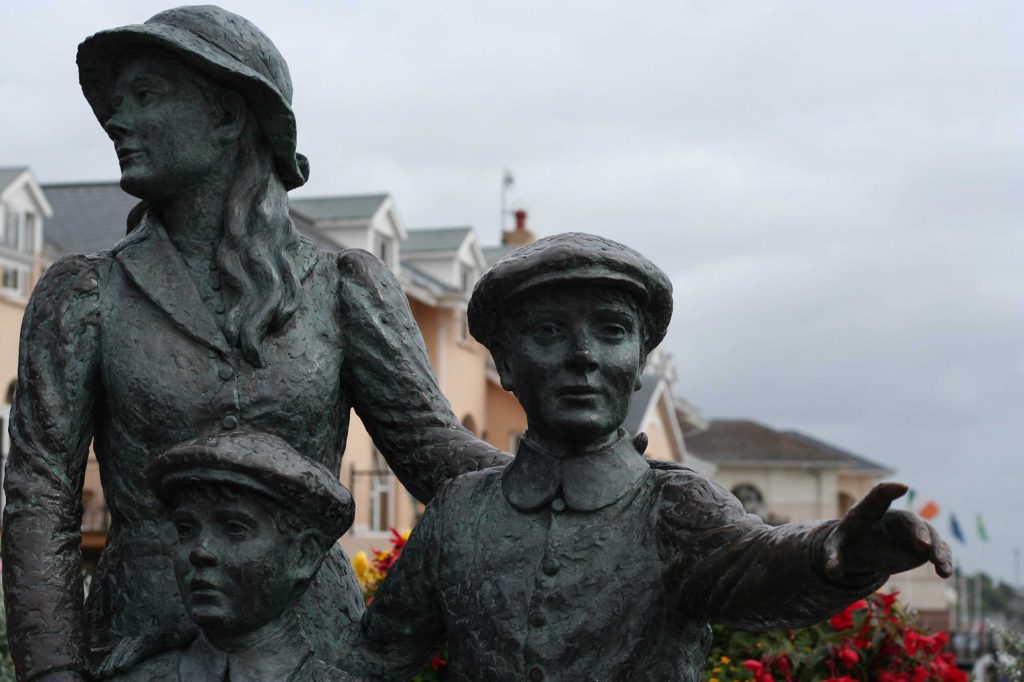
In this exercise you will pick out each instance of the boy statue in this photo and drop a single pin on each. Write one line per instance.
(254, 520)
(581, 559)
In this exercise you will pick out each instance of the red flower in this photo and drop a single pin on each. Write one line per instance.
(438, 663)
(848, 656)
(844, 678)
(760, 673)
(844, 620)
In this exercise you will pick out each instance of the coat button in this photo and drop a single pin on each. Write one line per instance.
(537, 619)
(536, 674)
(226, 373)
(549, 566)
(215, 286)
(220, 309)
(558, 505)
(230, 422)
(213, 265)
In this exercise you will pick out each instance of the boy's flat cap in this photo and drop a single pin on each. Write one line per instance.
(260, 462)
(567, 259)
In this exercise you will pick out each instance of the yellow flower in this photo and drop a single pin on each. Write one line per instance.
(361, 565)
(726, 660)
(406, 533)
(713, 679)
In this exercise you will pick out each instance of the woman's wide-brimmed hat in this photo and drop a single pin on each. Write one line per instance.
(225, 46)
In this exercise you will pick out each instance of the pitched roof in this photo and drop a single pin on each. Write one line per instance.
(639, 403)
(354, 207)
(424, 239)
(742, 441)
(87, 217)
(8, 175)
(424, 279)
(492, 254)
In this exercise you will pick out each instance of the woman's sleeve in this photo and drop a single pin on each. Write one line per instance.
(393, 387)
(51, 427)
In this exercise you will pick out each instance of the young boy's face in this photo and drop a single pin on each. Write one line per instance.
(236, 570)
(572, 356)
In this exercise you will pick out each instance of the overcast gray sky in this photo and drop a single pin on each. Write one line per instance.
(835, 188)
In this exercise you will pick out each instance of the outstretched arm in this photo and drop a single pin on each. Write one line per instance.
(393, 387)
(734, 569)
(50, 433)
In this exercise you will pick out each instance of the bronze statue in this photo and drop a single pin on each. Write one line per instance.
(211, 315)
(244, 553)
(581, 559)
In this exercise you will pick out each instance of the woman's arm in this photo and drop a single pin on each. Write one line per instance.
(51, 428)
(392, 385)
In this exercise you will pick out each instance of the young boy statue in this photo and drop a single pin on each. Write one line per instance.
(254, 520)
(581, 560)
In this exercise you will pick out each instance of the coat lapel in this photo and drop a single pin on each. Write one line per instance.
(156, 268)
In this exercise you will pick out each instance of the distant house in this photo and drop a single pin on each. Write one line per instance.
(437, 268)
(784, 475)
(787, 476)
(24, 212)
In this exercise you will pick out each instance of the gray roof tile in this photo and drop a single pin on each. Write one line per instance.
(736, 441)
(7, 175)
(356, 207)
(87, 217)
(426, 239)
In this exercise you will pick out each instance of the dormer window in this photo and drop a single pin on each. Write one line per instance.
(468, 278)
(29, 243)
(10, 237)
(384, 247)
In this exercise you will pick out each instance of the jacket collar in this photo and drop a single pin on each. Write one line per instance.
(587, 481)
(153, 263)
(272, 660)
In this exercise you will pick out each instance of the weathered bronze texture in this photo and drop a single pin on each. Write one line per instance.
(582, 559)
(243, 554)
(212, 315)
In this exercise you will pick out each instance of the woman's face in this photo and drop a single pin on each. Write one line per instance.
(165, 130)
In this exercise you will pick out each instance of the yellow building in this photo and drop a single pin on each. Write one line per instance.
(24, 211)
(787, 476)
(437, 267)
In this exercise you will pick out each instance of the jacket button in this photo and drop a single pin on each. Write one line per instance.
(220, 309)
(537, 619)
(558, 505)
(549, 566)
(226, 373)
(536, 674)
(230, 422)
(215, 286)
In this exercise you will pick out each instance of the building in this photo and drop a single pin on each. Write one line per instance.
(437, 267)
(24, 210)
(785, 476)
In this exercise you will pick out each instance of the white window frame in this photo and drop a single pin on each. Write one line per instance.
(382, 496)
(5, 230)
(20, 289)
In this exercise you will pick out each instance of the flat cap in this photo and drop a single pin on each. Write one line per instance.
(261, 462)
(566, 259)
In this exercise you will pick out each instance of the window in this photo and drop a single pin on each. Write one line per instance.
(382, 493)
(14, 280)
(750, 497)
(29, 243)
(384, 249)
(11, 231)
(464, 327)
(468, 278)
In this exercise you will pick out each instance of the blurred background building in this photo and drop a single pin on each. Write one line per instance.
(780, 476)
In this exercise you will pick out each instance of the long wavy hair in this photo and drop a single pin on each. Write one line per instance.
(254, 255)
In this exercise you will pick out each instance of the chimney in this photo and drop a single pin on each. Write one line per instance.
(521, 234)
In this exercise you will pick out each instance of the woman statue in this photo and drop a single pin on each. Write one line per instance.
(212, 315)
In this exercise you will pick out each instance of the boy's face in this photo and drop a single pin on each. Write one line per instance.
(236, 571)
(573, 358)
